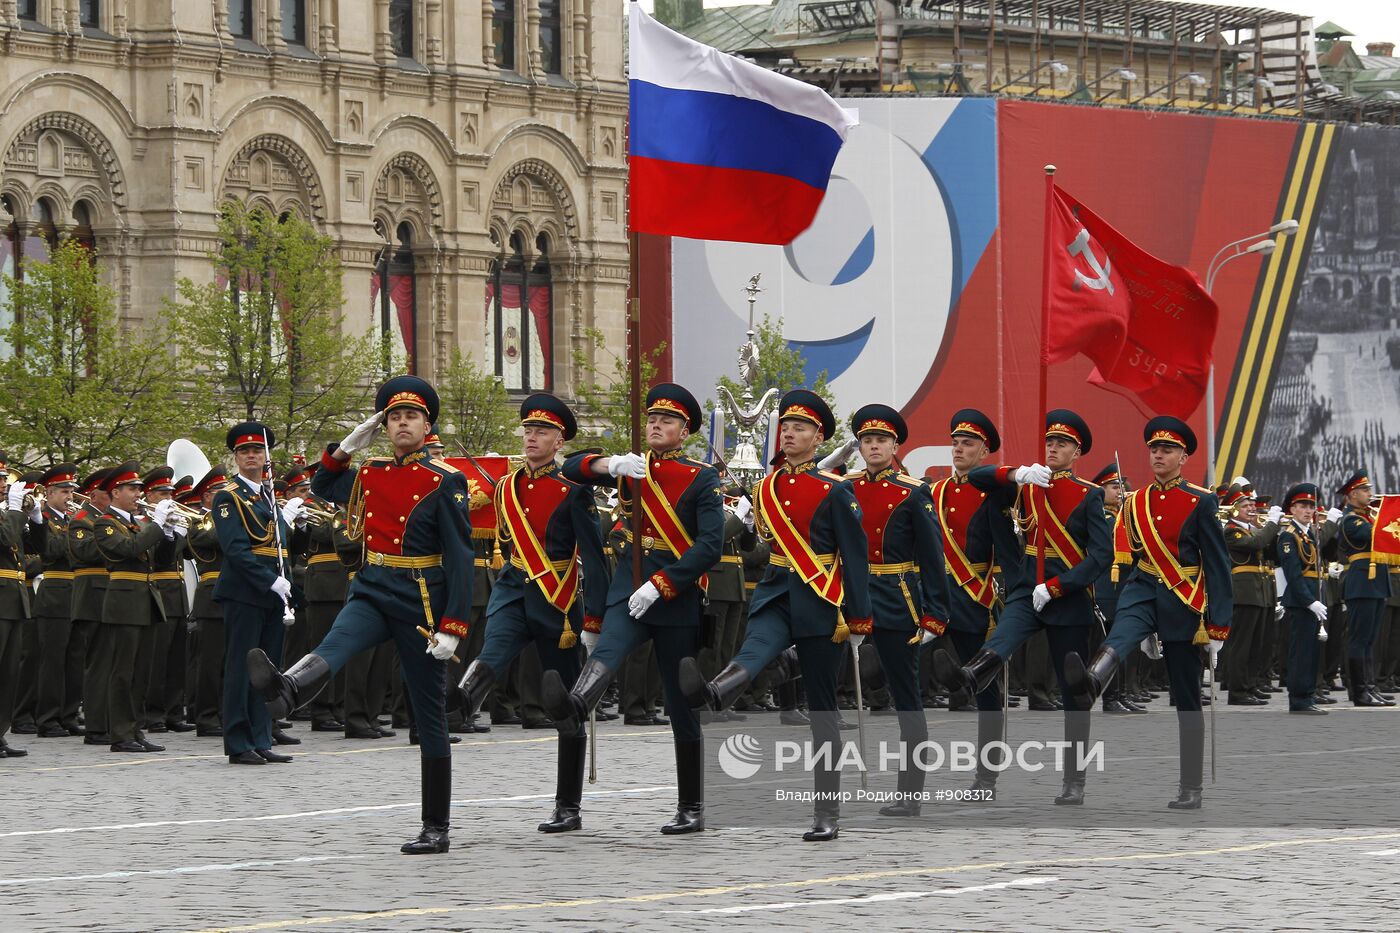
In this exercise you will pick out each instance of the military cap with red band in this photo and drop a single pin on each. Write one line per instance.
(548, 411)
(161, 479)
(250, 433)
(667, 398)
(128, 474)
(60, 476)
(806, 405)
(969, 422)
(1357, 480)
(879, 419)
(1064, 423)
(1302, 492)
(1164, 429)
(408, 392)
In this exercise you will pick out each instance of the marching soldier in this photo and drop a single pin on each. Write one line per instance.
(1064, 520)
(163, 707)
(1365, 587)
(22, 531)
(412, 513)
(1181, 561)
(553, 586)
(133, 546)
(1249, 546)
(725, 609)
(1298, 557)
(1115, 695)
(203, 544)
(61, 645)
(908, 588)
(682, 536)
(254, 589)
(89, 593)
(976, 532)
(818, 565)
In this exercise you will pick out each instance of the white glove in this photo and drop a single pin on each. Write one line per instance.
(179, 529)
(640, 601)
(840, 455)
(36, 514)
(363, 435)
(1278, 611)
(925, 636)
(633, 465)
(589, 639)
(1214, 647)
(744, 509)
(855, 640)
(1318, 610)
(1036, 474)
(1334, 570)
(283, 588)
(1275, 514)
(294, 511)
(160, 515)
(15, 499)
(445, 647)
(1334, 515)
(1041, 597)
(1321, 632)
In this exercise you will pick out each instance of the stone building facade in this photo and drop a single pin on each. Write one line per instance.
(465, 155)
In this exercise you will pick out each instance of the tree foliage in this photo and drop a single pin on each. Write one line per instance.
(266, 338)
(78, 387)
(475, 408)
(603, 388)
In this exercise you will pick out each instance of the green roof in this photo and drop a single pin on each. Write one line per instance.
(1330, 30)
(732, 28)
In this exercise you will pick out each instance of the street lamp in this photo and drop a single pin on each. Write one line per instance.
(1195, 78)
(1260, 244)
(1054, 65)
(1124, 74)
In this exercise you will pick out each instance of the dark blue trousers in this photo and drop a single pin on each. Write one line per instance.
(362, 625)
(622, 633)
(246, 723)
(1302, 658)
(509, 630)
(1363, 625)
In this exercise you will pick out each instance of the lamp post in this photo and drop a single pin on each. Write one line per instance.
(1054, 65)
(1195, 78)
(1259, 244)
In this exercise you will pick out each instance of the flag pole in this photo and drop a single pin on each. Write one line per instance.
(1045, 337)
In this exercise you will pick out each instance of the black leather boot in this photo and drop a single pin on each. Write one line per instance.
(872, 672)
(718, 694)
(690, 787)
(476, 683)
(286, 692)
(437, 807)
(826, 816)
(1356, 684)
(570, 708)
(1371, 684)
(1191, 735)
(965, 682)
(1087, 683)
(568, 786)
(1077, 735)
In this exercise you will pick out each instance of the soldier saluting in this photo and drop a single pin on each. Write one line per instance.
(412, 513)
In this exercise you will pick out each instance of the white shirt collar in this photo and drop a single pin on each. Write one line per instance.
(125, 515)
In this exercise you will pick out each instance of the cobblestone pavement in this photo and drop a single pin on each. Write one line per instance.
(183, 841)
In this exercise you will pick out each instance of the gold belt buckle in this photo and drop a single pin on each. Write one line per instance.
(376, 558)
(648, 542)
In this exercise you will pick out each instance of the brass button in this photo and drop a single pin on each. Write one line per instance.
(369, 537)
(403, 518)
(365, 470)
(369, 515)
(386, 468)
(826, 485)
(529, 485)
(415, 498)
(396, 540)
(367, 491)
(952, 508)
(884, 484)
(787, 502)
(1162, 496)
(879, 531)
(792, 480)
(890, 506)
(415, 469)
(437, 479)
(982, 494)
(957, 489)
(1159, 518)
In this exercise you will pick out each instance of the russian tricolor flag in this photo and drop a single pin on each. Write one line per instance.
(720, 148)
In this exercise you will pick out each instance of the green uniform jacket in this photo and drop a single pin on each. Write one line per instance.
(132, 550)
(18, 537)
(727, 577)
(330, 556)
(202, 543)
(1250, 570)
(55, 599)
(89, 567)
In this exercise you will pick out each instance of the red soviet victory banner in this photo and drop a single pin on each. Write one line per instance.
(1163, 360)
(1089, 305)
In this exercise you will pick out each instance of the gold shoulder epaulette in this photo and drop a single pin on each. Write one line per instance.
(832, 475)
(444, 466)
(230, 486)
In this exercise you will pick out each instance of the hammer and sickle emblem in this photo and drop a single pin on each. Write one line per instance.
(1101, 280)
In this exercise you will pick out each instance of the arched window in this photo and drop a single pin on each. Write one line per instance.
(82, 225)
(9, 267)
(520, 314)
(396, 301)
(503, 32)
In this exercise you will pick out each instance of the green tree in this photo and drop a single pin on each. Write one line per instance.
(476, 409)
(604, 393)
(266, 339)
(78, 386)
(782, 366)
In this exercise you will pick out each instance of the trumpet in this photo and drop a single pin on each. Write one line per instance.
(180, 514)
(319, 516)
